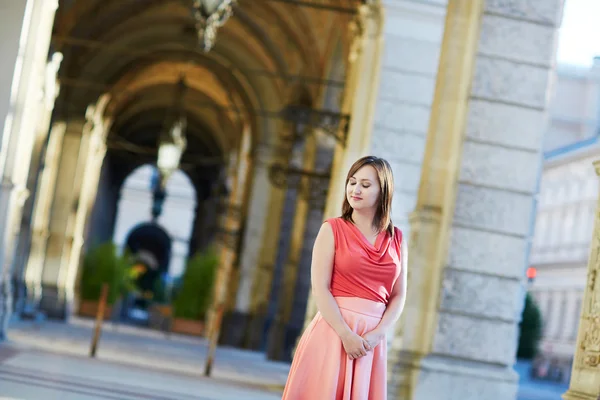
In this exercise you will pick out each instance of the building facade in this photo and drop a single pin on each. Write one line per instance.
(454, 94)
(566, 207)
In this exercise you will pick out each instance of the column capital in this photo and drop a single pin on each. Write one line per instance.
(366, 25)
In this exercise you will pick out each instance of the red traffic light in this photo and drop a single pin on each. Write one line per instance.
(531, 272)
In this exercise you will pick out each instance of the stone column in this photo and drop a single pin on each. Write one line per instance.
(457, 336)
(323, 157)
(243, 215)
(585, 375)
(63, 201)
(40, 149)
(77, 176)
(359, 100)
(265, 204)
(41, 214)
(25, 33)
(264, 274)
(413, 36)
(237, 177)
(96, 130)
(278, 333)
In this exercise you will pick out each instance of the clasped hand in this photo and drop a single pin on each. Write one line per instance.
(357, 346)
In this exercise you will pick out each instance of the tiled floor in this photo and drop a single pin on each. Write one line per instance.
(50, 361)
(38, 375)
(150, 349)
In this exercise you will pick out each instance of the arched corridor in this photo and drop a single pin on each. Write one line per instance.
(263, 113)
(252, 143)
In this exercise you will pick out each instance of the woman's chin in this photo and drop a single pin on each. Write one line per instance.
(357, 206)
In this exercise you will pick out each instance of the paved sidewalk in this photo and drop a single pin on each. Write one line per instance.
(139, 362)
(150, 349)
(530, 389)
(35, 375)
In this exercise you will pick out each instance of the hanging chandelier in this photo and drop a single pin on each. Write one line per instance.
(209, 16)
(172, 141)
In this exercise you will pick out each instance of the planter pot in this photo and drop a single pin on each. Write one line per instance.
(188, 327)
(89, 308)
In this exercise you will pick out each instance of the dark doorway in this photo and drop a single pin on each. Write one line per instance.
(149, 245)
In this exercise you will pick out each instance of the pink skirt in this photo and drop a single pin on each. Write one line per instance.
(321, 369)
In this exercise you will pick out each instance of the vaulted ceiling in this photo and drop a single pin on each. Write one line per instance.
(137, 50)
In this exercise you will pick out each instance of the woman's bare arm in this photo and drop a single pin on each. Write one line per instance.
(321, 270)
(397, 298)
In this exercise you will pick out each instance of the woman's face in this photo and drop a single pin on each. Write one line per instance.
(363, 190)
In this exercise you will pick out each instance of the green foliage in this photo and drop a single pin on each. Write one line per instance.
(161, 291)
(530, 329)
(193, 297)
(101, 265)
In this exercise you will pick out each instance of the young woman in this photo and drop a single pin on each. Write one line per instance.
(358, 279)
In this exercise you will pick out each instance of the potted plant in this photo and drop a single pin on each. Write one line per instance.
(193, 296)
(101, 265)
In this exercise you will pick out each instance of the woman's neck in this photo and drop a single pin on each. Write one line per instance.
(364, 219)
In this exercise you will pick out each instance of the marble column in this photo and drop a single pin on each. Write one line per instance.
(469, 232)
(25, 33)
(585, 375)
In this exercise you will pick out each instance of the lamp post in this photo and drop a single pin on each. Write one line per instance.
(211, 15)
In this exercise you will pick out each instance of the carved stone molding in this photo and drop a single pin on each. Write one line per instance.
(588, 355)
(307, 120)
(585, 379)
(367, 24)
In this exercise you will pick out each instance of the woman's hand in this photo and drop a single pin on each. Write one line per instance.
(373, 338)
(355, 345)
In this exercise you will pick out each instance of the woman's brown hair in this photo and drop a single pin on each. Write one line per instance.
(383, 218)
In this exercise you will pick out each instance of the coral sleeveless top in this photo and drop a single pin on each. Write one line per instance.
(361, 269)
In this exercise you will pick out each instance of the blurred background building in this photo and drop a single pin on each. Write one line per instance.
(566, 206)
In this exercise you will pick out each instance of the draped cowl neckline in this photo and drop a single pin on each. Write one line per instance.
(374, 251)
(362, 269)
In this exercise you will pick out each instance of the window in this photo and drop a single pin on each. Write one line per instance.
(577, 312)
(547, 314)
